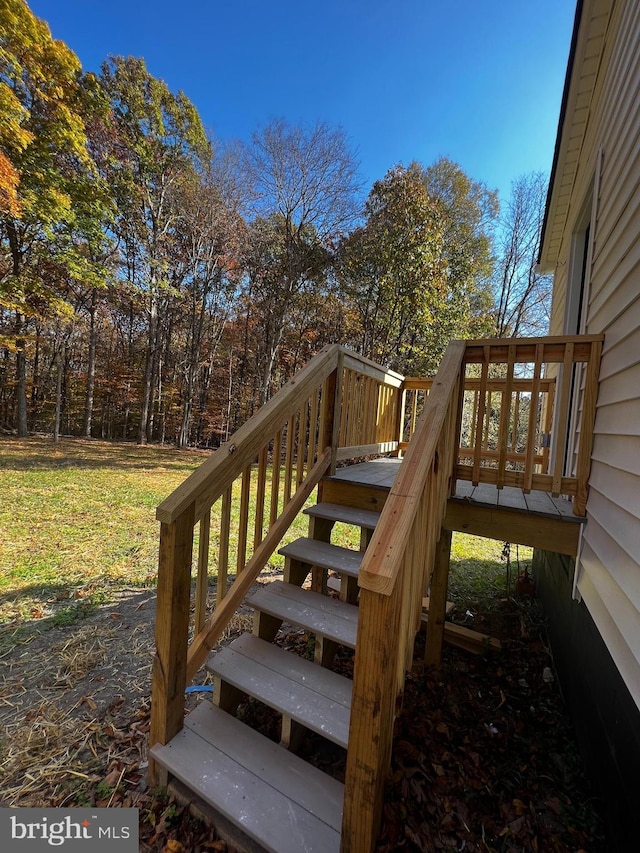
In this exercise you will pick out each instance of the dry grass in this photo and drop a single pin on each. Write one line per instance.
(78, 551)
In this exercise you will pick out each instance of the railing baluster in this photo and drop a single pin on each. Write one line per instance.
(547, 416)
(516, 422)
(202, 580)
(243, 521)
(302, 432)
(223, 553)
(533, 419)
(258, 525)
(288, 464)
(313, 427)
(480, 427)
(275, 478)
(474, 418)
(505, 416)
(414, 413)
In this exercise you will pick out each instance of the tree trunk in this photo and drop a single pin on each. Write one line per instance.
(21, 377)
(56, 425)
(91, 367)
(183, 438)
(147, 390)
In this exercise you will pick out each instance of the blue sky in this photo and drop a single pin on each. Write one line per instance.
(479, 82)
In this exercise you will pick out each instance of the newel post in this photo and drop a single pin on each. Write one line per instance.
(172, 634)
(373, 712)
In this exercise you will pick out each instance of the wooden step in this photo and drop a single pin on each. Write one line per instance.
(316, 697)
(324, 616)
(324, 555)
(280, 801)
(367, 519)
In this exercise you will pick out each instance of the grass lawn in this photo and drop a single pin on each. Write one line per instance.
(78, 519)
(78, 538)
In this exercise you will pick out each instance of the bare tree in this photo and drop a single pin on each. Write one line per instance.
(304, 192)
(209, 236)
(523, 296)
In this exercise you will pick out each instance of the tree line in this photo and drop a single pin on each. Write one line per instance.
(159, 285)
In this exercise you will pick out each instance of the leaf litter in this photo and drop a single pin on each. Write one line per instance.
(484, 757)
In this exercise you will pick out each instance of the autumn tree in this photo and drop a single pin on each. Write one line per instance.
(304, 187)
(392, 269)
(42, 153)
(523, 295)
(468, 217)
(158, 139)
(210, 234)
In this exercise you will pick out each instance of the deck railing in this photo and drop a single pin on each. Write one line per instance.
(481, 419)
(527, 413)
(392, 581)
(234, 511)
(486, 417)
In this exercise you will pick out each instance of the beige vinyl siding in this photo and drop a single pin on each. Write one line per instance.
(612, 633)
(622, 452)
(608, 574)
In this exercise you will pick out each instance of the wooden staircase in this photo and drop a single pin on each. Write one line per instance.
(342, 407)
(277, 800)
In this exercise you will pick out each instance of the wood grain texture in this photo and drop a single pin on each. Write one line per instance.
(318, 613)
(438, 600)
(254, 782)
(372, 716)
(169, 677)
(299, 689)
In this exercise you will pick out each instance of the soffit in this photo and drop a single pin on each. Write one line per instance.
(584, 68)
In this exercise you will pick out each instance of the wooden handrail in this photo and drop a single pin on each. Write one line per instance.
(213, 630)
(380, 567)
(392, 581)
(215, 475)
(554, 348)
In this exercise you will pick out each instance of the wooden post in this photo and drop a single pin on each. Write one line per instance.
(586, 432)
(372, 714)
(331, 410)
(562, 419)
(438, 600)
(172, 634)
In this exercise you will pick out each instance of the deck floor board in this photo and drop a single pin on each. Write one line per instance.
(381, 473)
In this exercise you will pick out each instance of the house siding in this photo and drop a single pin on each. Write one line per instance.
(608, 572)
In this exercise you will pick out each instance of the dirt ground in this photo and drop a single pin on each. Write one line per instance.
(484, 756)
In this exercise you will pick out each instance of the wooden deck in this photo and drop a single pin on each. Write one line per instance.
(509, 514)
